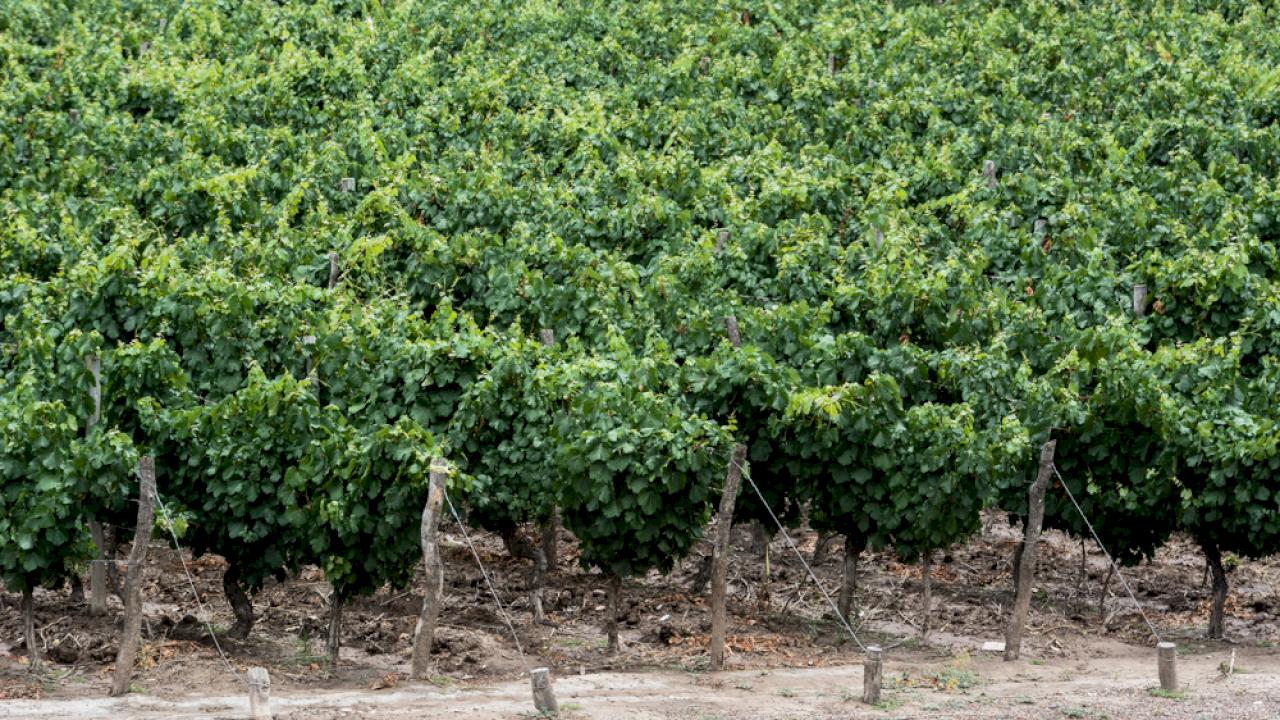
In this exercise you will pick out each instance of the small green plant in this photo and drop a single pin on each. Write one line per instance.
(743, 685)
(1168, 694)
(890, 703)
(1075, 712)
(787, 692)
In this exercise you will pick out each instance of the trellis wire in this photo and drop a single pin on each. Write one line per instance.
(1114, 566)
(787, 536)
(501, 610)
(191, 581)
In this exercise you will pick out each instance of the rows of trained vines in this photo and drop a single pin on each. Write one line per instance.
(314, 245)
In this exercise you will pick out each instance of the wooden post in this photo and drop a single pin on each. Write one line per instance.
(926, 592)
(29, 629)
(731, 329)
(831, 63)
(1167, 658)
(98, 566)
(551, 531)
(1027, 566)
(259, 693)
(425, 632)
(544, 697)
(722, 239)
(333, 642)
(1038, 228)
(98, 571)
(878, 238)
(1139, 299)
(853, 547)
(989, 173)
(133, 580)
(720, 555)
(348, 184)
(611, 615)
(872, 675)
(333, 270)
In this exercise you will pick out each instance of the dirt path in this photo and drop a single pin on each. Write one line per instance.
(1111, 687)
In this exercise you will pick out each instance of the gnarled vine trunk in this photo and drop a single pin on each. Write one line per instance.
(1217, 620)
(241, 605)
(853, 547)
(611, 615)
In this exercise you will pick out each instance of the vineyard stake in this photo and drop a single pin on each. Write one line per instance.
(348, 184)
(722, 238)
(1027, 564)
(1167, 659)
(97, 568)
(989, 172)
(333, 642)
(731, 329)
(333, 270)
(259, 693)
(29, 629)
(551, 530)
(1139, 299)
(720, 556)
(128, 653)
(872, 675)
(425, 632)
(611, 615)
(544, 697)
(926, 562)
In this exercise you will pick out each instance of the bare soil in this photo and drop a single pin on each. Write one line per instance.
(787, 658)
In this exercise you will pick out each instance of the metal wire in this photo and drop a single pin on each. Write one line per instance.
(1114, 566)
(792, 545)
(501, 610)
(191, 581)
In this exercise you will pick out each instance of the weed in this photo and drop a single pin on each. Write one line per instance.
(1075, 712)
(1168, 694)
(787, 692)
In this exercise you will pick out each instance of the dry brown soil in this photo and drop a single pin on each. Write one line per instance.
(787, 658)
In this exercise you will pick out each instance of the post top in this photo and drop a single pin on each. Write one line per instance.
(874, 649)
(1166, 645)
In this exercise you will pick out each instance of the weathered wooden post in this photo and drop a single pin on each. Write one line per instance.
(97, 566)
(347, 184)
(722, 239)
(720, 555)
(989, 173)
(550, 531)
(926, 592)
(425, 633)
(731, 329)
(1167, 658)
(29, 629)
(614, 592)
(333, 270)
(128, 652)
(1139, 299)
(333, 641)
(872, 675)
(259, 694)
(544, 697)
(1027, 564)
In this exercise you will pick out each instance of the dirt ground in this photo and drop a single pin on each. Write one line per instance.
(788, 659)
